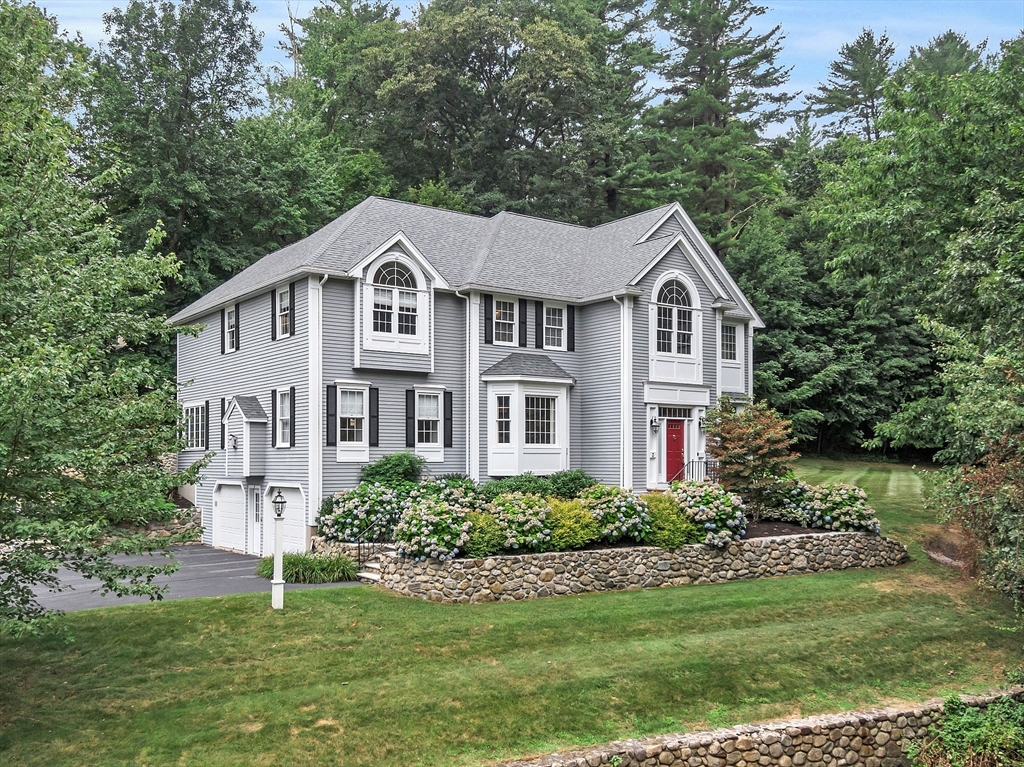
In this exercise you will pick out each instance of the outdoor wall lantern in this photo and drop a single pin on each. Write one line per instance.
(702, 423)
(277, 584)
(655, 424)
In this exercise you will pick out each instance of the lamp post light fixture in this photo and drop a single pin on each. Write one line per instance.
(277, 584)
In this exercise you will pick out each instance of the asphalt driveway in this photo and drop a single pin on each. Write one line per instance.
(204, 572)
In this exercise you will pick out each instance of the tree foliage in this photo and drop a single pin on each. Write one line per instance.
(84, 416)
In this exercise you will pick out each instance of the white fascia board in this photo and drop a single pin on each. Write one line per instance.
(695, 261)
(673, 209)
(399, 238)
(529, 379)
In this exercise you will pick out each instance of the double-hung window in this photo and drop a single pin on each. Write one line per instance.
(504, 322)
(428, 419)
(395, 300)
(283, 312)
(284, 418)
(351, 414)
(729, 342)
(675, 319)
(195, 427)
(230, 329)
(554, 327)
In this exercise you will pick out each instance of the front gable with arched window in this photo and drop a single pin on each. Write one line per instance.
(676, 330)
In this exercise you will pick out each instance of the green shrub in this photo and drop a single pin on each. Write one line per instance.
(310, 568)
(432, 527)
(619, 513)
(486, 535)
(463, 497)
(456, 479)
(523, 519)
(829, 507)
(393, 469)
(570, 483)
(572, 525)
(670, 527)
(345, 516)
(527, 484)
(970, 736)
(712, 508)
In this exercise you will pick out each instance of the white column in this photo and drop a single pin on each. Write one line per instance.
(627, 390)
(277, 585)
(473, 387)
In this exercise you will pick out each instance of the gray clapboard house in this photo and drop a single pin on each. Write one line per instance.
(489, 346)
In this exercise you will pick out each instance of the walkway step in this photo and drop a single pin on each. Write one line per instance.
(368, 576)
(372, 564)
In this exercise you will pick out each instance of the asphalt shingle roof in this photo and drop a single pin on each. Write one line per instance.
(508, 252)
(528, 366)
(251, 408)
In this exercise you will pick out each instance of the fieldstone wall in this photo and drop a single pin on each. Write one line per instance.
(187, 520)
(320, 545)
(876, 738)
(528, 576)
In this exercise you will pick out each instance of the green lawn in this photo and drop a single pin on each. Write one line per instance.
(359, 676)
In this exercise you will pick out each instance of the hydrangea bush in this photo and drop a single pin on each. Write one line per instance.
(347, 515)
(620, 513)
(835, 507)
(523, 517)
(432, 527)
(453, 490)
(712, 508)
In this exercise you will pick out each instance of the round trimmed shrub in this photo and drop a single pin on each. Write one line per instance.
(836, 507)
(432, 527)
(523, 518)
(347, 515)
(572, 525)
(619, 513)
(714, 510)
(570, 483)
(486, 535)
(670, 527)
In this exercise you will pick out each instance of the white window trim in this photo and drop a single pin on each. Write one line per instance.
(565, 329)
(516, 456)
(516, 319)
(429, 451)
(228, 348)
(738, 362)
(185, 407)
(279, 444)
(694, 360)
(394, 341)
(353, 452)
(286, 289)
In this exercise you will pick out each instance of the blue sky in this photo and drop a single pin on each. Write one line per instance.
(814, 29)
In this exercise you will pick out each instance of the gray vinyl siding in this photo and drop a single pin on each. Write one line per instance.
(674, 260)
(259, 366)
(671, 227)
(599, 336)
(449, 340)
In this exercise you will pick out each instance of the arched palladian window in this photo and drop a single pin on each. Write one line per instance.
(394, 299)
(675, 319)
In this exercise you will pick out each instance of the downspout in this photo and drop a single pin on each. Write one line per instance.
(469, 373)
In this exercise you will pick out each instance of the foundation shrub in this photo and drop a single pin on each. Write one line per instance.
(670, 527)
(715, 511)
(370, 509)
(570, 483)
(394, 469)
(523, 518)
(432, 527)
(310, 568)
(526, 484)
(974, 737)
(486, 535)
(462, 495)
(620, 513)
(572, 525)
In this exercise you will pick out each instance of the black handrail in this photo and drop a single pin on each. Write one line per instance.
(368, 541)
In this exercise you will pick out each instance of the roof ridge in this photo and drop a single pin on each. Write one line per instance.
(633, 215)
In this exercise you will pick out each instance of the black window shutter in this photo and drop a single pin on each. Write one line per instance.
(291, 308)
(223, 328)
(332, 415)
(374, 417)
(291, 416)
(488, 319)
(273, 315)
(238, 328)
(223, 426)
(538, 324)
(522, 321)
(206, 412)
(449, 420)
(273, 415)
(410, 418)
(570, 328)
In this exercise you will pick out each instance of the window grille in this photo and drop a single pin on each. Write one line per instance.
(540, 420)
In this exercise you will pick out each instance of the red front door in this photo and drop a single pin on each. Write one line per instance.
(675, 465)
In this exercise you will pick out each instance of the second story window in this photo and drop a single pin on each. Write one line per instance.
(504, 322)
(395, 300)
(230, 329)
(554, 324)
(675, 319)
(728, 342)
(283, 312)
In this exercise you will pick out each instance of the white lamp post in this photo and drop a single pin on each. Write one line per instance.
(277, 585)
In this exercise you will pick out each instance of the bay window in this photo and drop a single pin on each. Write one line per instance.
(527, 427)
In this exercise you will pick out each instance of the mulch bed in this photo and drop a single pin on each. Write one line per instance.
(769, 529)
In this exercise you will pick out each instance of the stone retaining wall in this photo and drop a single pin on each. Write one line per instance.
(528, 576)
(187, 520)
(876, 738)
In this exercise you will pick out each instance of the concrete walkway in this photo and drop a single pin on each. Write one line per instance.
(204, 572)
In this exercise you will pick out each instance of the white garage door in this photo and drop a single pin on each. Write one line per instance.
(294, 520)
(229, 517)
